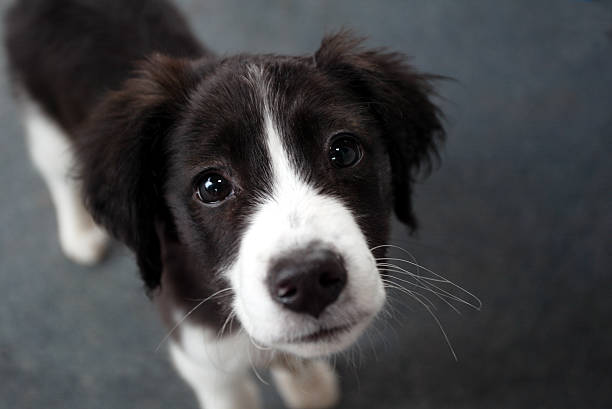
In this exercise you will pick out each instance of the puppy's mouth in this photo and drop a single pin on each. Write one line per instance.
(322, 335)
(322, 339)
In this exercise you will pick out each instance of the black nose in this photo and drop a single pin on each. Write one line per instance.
(307, 281)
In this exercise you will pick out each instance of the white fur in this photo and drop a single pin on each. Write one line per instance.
(216, 369)
(307, 384)
(81, 239)
(294, 216)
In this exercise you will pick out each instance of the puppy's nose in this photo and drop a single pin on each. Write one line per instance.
(307, 281)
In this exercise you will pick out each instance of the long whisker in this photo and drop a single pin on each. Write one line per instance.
(393, 310)
(229, 319)
(477, 303)
(257, 375)
(440, 296)
(424, 286)
(429, 281)
(187, 316)
(387, 279)
(448, 342)
(420, 284)
(416, 264)
(260, 347)
(390, 284)
(419, 279)
(433, 315)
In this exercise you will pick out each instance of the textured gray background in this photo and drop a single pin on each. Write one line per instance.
(520, 213)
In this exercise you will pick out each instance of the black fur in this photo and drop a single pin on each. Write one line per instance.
(399, 97)
(150, 109)
(68, 54)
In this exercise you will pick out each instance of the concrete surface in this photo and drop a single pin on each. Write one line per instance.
(520, 213)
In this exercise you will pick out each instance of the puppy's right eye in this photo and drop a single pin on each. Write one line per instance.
(344, 151)
(213, 188)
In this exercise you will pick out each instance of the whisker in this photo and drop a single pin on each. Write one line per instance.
(417, 276)
(230, 318)
(448, 342)
(440, 292)
(257, 375)
(441, 296)
(423, 283)
(415, 263)
(187, 315)
(477, 305)
(395, 310)
(201, 299)
(371, 342)
(429, 310)
(406, 291)
(419, 284)
(260, 347)
(334, 362)
(378, 336)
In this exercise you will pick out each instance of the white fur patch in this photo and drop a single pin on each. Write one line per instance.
(307, 385)
(216, 369)
(81, 239)
(295, 216)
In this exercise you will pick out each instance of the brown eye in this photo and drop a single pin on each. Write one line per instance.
(344, 151)
(213, 188)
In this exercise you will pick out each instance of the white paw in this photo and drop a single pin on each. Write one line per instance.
(241, 395)
(310, 385)
(85, 245)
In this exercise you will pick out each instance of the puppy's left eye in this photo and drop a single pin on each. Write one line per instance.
(344, 151)
(213, 188)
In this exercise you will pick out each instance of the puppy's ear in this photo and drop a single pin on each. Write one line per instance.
(121, 151)
(400, 98)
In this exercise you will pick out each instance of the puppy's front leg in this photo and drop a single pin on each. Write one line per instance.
(52, 153)
(214, 386)
(306, 384)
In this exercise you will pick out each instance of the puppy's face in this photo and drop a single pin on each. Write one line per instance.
(280, 183)
(276, 177)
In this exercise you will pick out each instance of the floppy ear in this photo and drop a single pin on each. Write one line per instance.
(400, 99)
(122, 156)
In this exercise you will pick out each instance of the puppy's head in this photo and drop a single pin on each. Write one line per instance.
(275, 176)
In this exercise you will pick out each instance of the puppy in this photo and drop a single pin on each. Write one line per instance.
(255, 190)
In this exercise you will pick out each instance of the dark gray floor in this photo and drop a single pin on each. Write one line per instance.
(520, 213)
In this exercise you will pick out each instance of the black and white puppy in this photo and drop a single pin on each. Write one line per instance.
(255, 190)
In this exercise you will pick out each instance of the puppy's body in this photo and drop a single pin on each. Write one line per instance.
(251, 188)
